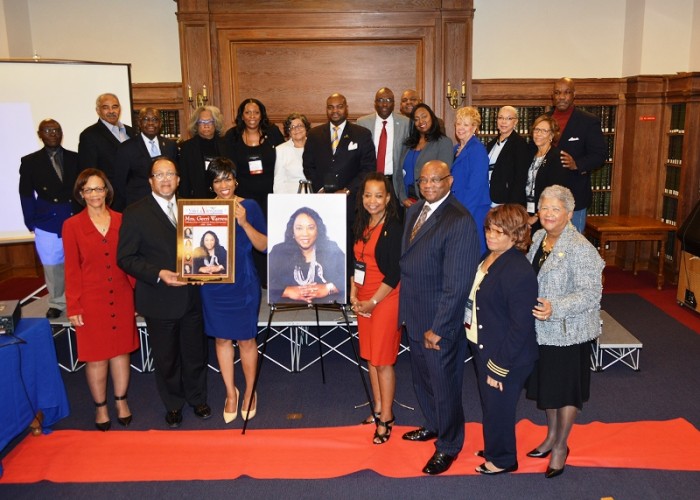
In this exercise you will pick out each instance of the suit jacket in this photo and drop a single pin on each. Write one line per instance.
(437, 270)
(572, 280)
(506, 326)
(147, 244)
(134, 169)
(433, 150)
(193, 176)
(583, 139)
(47, 201)
(509, 174)
(551, 172)
(401, 129)
(354, 158)
(98, 149)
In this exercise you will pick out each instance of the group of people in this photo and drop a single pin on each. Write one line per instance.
(428, 220)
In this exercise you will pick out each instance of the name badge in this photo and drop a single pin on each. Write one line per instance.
(468, 313)
(531, 207)
(359, 275)
(255, 166)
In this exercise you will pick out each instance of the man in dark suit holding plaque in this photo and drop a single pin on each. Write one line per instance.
(172, 309)
(99, 142)
(582, 146)
(46, 179)
(134, 158)
(440, 254)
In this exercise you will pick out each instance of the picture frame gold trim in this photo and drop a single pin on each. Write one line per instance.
(195, 219)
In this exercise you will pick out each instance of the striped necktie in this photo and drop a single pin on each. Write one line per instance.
(171, 213)
(336, 138)
(421, 220)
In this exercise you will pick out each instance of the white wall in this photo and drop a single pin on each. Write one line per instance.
(141, 32)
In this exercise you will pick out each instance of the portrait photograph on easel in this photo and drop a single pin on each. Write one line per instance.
(307, 240)
(206, 244)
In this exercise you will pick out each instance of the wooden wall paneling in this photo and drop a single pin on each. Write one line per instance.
(348, 6)
(19, 259)
(456, 41)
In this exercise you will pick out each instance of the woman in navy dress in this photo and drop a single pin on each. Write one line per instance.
(231, 310)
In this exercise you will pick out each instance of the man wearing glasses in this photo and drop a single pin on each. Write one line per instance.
(440, 254)
(172, 309)
(134, 158)
(46, 179)
(99, 142)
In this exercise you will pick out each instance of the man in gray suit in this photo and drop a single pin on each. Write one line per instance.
(389, 131)
(440, 254)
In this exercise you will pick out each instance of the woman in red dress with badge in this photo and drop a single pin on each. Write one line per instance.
(374, 294)
(99, 295)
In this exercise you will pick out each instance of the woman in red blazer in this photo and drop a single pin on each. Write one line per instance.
(99, 295)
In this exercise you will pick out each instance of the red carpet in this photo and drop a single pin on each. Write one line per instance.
(91, 456)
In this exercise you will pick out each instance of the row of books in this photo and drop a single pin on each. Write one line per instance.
(677, 118)
(610, 143)
(526, 115)
(600, 205)
(170, 123)
(675, 149)
(601, 178)
(669, 210)
(673, 180)
(606, 114)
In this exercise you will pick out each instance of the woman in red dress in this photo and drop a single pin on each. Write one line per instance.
(99, 295)
(374, 294)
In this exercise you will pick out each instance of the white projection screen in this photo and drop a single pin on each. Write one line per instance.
(31, 91)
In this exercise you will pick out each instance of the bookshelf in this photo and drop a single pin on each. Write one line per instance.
(167, 98)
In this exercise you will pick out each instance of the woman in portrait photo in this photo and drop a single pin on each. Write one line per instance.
(307, 266)
(210, 257)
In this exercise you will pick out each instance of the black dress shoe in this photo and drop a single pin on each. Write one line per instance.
(539, 454)
(53, 313)
(550, 473)
(173, 418)
(483, 470)
(420, 434)
(202, 411)
(438, 463)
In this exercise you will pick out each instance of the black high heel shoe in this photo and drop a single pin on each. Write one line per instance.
(550, 473)
(372, 419)
(539, 454)
(383, 438)
(103, 426)
(125, 421)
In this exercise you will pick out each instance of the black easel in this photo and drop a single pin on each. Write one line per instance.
(294, 307)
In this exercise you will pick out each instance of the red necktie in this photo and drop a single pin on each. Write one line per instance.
(381, 149)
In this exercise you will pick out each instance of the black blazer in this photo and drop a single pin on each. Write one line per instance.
(551, 172)
(353, 159)
(583, 139)
(506, 326)
(98, 149)
(193, 176)
(147, 244)
(134, 169)
(46, 200)
(509, 174)
(388, 252)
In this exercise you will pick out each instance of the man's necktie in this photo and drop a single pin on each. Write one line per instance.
(154, 149)
(421, 220)
(171, 213)
(336, 138)
(56, 165)
(381, 149)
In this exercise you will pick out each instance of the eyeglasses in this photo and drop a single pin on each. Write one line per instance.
(541, 131)
(51, 130)
(507, 118)
(294, 127)
(205, 122)
(98, 190)
(431, 180)
(164, 175)
(150, 119)
(384, 100)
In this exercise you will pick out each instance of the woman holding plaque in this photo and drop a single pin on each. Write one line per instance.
(374, 294)
(231, 310)
(99, 295)
(307, 266)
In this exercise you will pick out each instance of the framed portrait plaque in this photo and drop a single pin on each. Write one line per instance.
(206, 247)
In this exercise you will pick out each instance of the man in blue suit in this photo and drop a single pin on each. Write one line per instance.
(440, 254)
(582, 146)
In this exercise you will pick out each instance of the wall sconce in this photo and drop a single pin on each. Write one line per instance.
(454, 97)
(198, 100)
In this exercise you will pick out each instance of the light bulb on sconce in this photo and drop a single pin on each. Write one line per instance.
(198, 100)
(454, 96)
